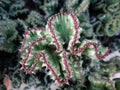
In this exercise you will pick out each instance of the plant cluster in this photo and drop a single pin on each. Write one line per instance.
(67, 37)
(106, 20)
(58, 48)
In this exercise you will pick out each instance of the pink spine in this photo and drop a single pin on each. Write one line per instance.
(80, 50)
(57, 44)
(40, 54)
(64, 56)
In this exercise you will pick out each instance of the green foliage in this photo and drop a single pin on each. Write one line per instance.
(12, 9)
(97, 18)
(106, 20)
(8, 35)
(34, 19)
(86, 25)
(18, 9)
(117, 84)
(77, 6)
(22, 81)
(9, 27)
(63, 31)
(47, 7)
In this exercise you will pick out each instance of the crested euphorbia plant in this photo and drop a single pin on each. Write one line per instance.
(56, 47)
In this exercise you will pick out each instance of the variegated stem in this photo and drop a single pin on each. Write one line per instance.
(29, 70)
(80, 50)
(64, 56)
(29, 50)
(40, 54)
(49, 23)
(52, 32)
(25, 36)
(58, 48)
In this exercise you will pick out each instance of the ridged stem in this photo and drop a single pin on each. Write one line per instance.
(40, 54)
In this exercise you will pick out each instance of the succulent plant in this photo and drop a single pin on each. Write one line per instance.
(12, 9)
(77, 6)
(64, 36)
(47, 7)
(106, 20)
(56, 47)
(34, 19)
(8, 35)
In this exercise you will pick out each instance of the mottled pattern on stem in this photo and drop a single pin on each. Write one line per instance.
(62, 28)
